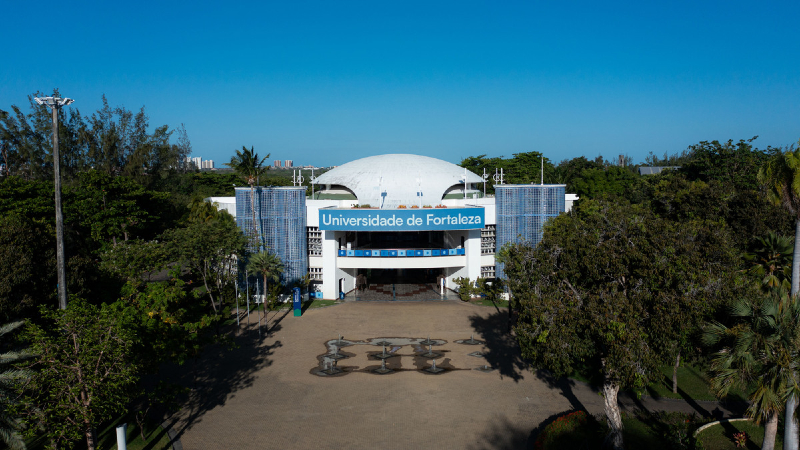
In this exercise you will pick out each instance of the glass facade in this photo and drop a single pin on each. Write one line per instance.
(280, 214)
(522, 210)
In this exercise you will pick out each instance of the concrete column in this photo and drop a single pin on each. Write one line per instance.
(330, 251)
(472, 246)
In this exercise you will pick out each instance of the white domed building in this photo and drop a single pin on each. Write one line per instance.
(389, 181)
(395, 226)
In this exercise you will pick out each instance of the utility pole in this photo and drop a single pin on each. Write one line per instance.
(55, 104)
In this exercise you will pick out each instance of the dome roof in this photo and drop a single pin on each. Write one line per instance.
(398, 178)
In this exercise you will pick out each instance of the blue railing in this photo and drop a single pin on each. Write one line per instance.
(402, 253)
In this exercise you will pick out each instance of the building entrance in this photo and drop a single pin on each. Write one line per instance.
(399, 285)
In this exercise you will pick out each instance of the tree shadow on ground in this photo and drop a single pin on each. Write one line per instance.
(503, 434)
(565, 385)
(219, 373)
(501, 349)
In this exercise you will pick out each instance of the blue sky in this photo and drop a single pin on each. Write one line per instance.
(324, 83)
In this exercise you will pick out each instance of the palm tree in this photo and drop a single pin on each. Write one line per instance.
(761, 350)
(770, 260)
(781, 177)
(9, 426)
(270, 267)
(202, 211)
(249, 167)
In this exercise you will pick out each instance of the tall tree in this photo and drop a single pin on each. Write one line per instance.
(526, 168)
(761, 350)
(569, 169)
(770, 260)
(592, 294)
(781, 176)
(83, 373)
(114, 208)
(211, 249)
(734, 164)
(613, 180)
(269, 265)
(169, 321)
(113, 140)
(10, 377)
(27, 259)
(249, 167)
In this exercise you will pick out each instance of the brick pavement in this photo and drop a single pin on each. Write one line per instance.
(265, 395)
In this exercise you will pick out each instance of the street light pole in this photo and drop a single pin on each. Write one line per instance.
(55, 104)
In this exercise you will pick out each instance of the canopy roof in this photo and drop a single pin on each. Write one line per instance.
(398, 179)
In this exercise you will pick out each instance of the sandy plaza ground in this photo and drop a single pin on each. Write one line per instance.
(268, 393)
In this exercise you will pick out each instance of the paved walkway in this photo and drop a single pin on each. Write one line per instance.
(266, 394)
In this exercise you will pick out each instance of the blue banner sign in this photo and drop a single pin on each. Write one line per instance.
(403, 253)
(422, 219)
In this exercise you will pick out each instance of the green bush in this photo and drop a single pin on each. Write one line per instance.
(465, 288)
(567, 431)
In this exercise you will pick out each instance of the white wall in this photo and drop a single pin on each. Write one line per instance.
(329, 269)
(453, 273)
(569, 200)
(349, 279)
(473, 253)
(224, 204)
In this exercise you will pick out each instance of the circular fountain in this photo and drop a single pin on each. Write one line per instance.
(340, 343)
(335, 355)
(382, 356)
(382, 370)
(331, 369)
(428, 341)
(430, 353)
(485, 368)
(433, 369)
(470, 341)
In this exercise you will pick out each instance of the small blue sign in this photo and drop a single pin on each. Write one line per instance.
(297, 304)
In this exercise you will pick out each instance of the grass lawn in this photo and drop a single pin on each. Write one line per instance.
(692, 383)
(155, 437)
(720, 437)
(485, 302)
(654, 432)
(307, 304)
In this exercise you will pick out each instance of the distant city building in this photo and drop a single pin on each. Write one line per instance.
(198, 163)
(277, 163)
(288, 163)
